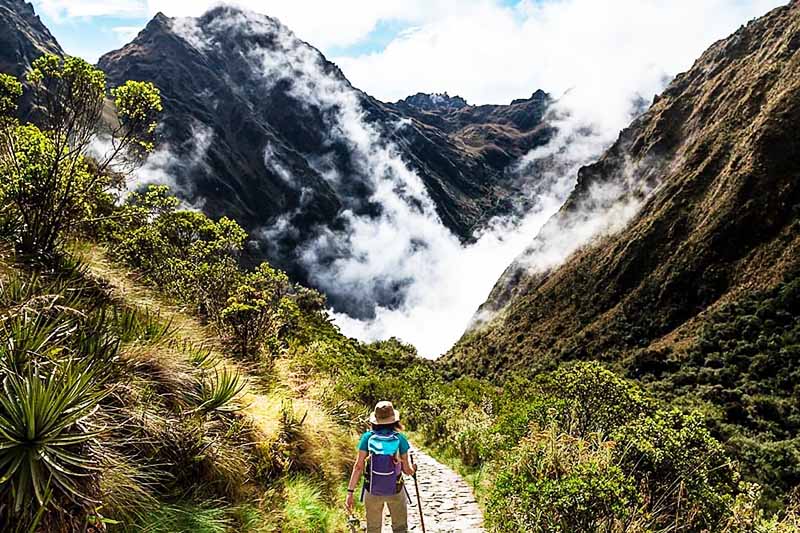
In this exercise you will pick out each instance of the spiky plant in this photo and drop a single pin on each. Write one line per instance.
(219, 392)
(141, 325)
(27, 335)
(44, 434)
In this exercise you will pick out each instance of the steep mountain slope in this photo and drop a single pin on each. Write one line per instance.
(715, 164)
(23, 38)
(254, 117)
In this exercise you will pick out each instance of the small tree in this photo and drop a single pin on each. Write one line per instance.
(49, 184)
(259, 308)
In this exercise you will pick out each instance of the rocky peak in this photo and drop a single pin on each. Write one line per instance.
(23, 37)
(538, 96)
(435, 102)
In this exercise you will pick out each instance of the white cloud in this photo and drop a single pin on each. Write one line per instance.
(126, 33)
(320, 22)
(596, 56)
(59, 10)
(490, 53)
(486, 50)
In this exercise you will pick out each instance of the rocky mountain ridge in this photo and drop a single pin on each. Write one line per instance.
(23, 38)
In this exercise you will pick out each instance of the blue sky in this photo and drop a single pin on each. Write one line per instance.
(90, 37)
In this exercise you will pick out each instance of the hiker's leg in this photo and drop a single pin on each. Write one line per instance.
(399, 512)
(373, 505)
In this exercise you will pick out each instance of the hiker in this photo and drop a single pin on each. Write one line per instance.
(382, 455)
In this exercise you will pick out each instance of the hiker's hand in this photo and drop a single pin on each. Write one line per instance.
(349, 502)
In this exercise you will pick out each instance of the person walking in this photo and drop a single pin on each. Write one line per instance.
(382, 459)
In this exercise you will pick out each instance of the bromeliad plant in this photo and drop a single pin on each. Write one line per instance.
(44, 436)
(55, 362)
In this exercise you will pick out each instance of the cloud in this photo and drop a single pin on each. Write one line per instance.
(166, 164)
(125, 33)
(325, 24)
(405, 252)
(59, 10)
(489, 52)
(597, 58)
(598, 63)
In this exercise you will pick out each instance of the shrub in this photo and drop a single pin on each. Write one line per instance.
(554, 482)
(258, 309)
(686, 471)
(598, 399)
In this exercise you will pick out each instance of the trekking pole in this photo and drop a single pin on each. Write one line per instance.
(419, 500)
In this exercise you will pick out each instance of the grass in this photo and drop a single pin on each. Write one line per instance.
(187, 518)
(306, 510)
(295, 442)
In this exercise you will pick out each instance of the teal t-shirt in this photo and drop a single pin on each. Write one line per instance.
(363, 443)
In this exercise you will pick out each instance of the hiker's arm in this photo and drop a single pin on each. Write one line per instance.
(408, 468)
(358, 469)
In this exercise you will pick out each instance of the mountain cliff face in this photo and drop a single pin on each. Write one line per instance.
(714, 168)
(254, 118)
(23, 38)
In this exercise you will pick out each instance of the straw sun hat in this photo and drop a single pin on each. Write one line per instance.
(384, 413)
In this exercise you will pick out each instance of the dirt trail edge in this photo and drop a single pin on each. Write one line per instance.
(447, 500)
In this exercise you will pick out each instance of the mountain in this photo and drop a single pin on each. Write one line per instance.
(258, 124)
(23, 38)
(719, 149)
(691, 283)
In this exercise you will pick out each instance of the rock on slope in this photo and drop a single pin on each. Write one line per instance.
(275, 156)
(720, 151)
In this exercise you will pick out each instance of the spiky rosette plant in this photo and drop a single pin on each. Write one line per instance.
(44, 436)
(220, 391)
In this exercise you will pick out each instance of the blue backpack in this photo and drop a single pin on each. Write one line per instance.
(384, 464)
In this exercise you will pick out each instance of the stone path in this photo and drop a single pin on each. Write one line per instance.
(447, 500)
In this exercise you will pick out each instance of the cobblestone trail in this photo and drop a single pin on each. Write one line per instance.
(447, 500)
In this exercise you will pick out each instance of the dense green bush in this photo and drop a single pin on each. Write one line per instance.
(683, 469)
(259, 309)
(598, 399)
(744, 375)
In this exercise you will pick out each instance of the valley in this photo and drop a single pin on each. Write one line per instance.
(217, 255)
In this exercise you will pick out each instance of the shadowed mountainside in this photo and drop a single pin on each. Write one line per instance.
(23, 38)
